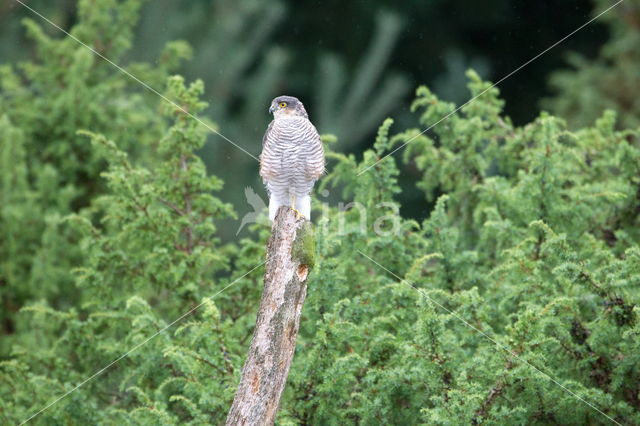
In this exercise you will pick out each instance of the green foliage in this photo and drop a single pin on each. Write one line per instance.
(152, 255)
(48, 169)
(529, 262)
(523, 279)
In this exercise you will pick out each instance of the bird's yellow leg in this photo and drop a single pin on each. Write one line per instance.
(293, 207)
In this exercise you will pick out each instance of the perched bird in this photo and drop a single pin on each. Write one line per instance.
(292, 157)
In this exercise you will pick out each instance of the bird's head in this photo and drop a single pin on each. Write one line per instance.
(284, 106)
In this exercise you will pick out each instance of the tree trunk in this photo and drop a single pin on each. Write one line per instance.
(290, 254)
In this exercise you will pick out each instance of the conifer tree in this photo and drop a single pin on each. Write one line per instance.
(48, 169)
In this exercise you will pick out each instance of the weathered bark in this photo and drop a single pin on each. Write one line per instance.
(289, 258)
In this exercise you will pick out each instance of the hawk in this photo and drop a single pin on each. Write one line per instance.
(292, 157)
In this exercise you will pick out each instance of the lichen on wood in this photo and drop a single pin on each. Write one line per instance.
(304, 250)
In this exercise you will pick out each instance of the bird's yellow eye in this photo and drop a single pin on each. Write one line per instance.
(283, 104)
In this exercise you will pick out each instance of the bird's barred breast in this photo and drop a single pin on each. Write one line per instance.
(292, 157)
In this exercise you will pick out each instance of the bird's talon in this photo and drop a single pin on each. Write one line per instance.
(298, 214)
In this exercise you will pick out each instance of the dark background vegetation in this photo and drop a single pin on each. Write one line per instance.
(297, 47)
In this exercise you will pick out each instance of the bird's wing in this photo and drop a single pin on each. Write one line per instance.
(264, 138)
(315, 156)
(264, 172)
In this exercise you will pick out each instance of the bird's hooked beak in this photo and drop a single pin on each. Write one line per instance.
(272, 108)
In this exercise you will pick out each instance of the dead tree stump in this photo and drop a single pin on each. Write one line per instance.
(290, 255)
